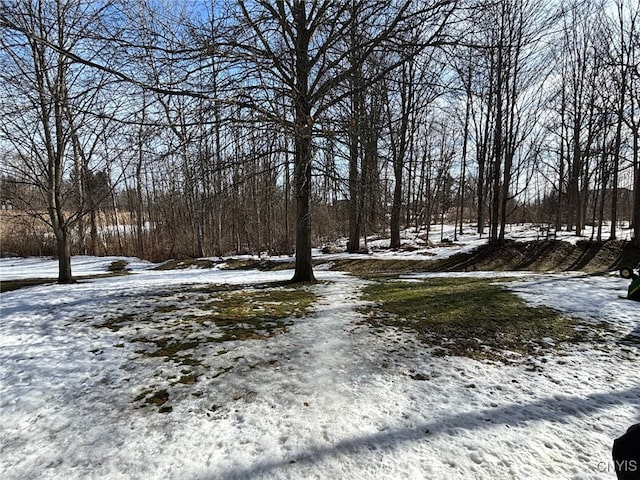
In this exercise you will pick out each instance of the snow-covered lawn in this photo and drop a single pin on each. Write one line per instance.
(325, 398)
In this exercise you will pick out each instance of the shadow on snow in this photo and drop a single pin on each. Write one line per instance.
(560, 409)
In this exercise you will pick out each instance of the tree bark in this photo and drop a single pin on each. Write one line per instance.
(303, 149)
(636, 188)
(63, 251)
(355, 190)
(302, 180)
(396, 206)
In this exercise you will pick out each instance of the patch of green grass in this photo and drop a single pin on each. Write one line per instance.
(247, 306)
(253, 314)
(468, 317)
(175, 349)
(187, 326)
(170, 348)
(237, 312)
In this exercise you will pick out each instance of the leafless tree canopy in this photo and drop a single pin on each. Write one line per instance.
(188, 129)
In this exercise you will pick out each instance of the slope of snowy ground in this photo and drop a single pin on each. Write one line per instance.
(420, 246)
(326, 399)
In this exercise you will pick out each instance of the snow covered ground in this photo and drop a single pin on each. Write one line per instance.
(328, 398)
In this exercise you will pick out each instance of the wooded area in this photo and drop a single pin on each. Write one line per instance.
(174, 129)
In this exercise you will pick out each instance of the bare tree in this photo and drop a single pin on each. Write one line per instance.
(302, 51)
(417, 84)
(624, 66)
(46, 97)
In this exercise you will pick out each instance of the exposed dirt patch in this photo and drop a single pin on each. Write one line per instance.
(538, 256)
(187, 263)
(545, 255)
(377, 267)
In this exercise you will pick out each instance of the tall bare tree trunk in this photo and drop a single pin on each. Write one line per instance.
(303, 148)
(636, 187)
